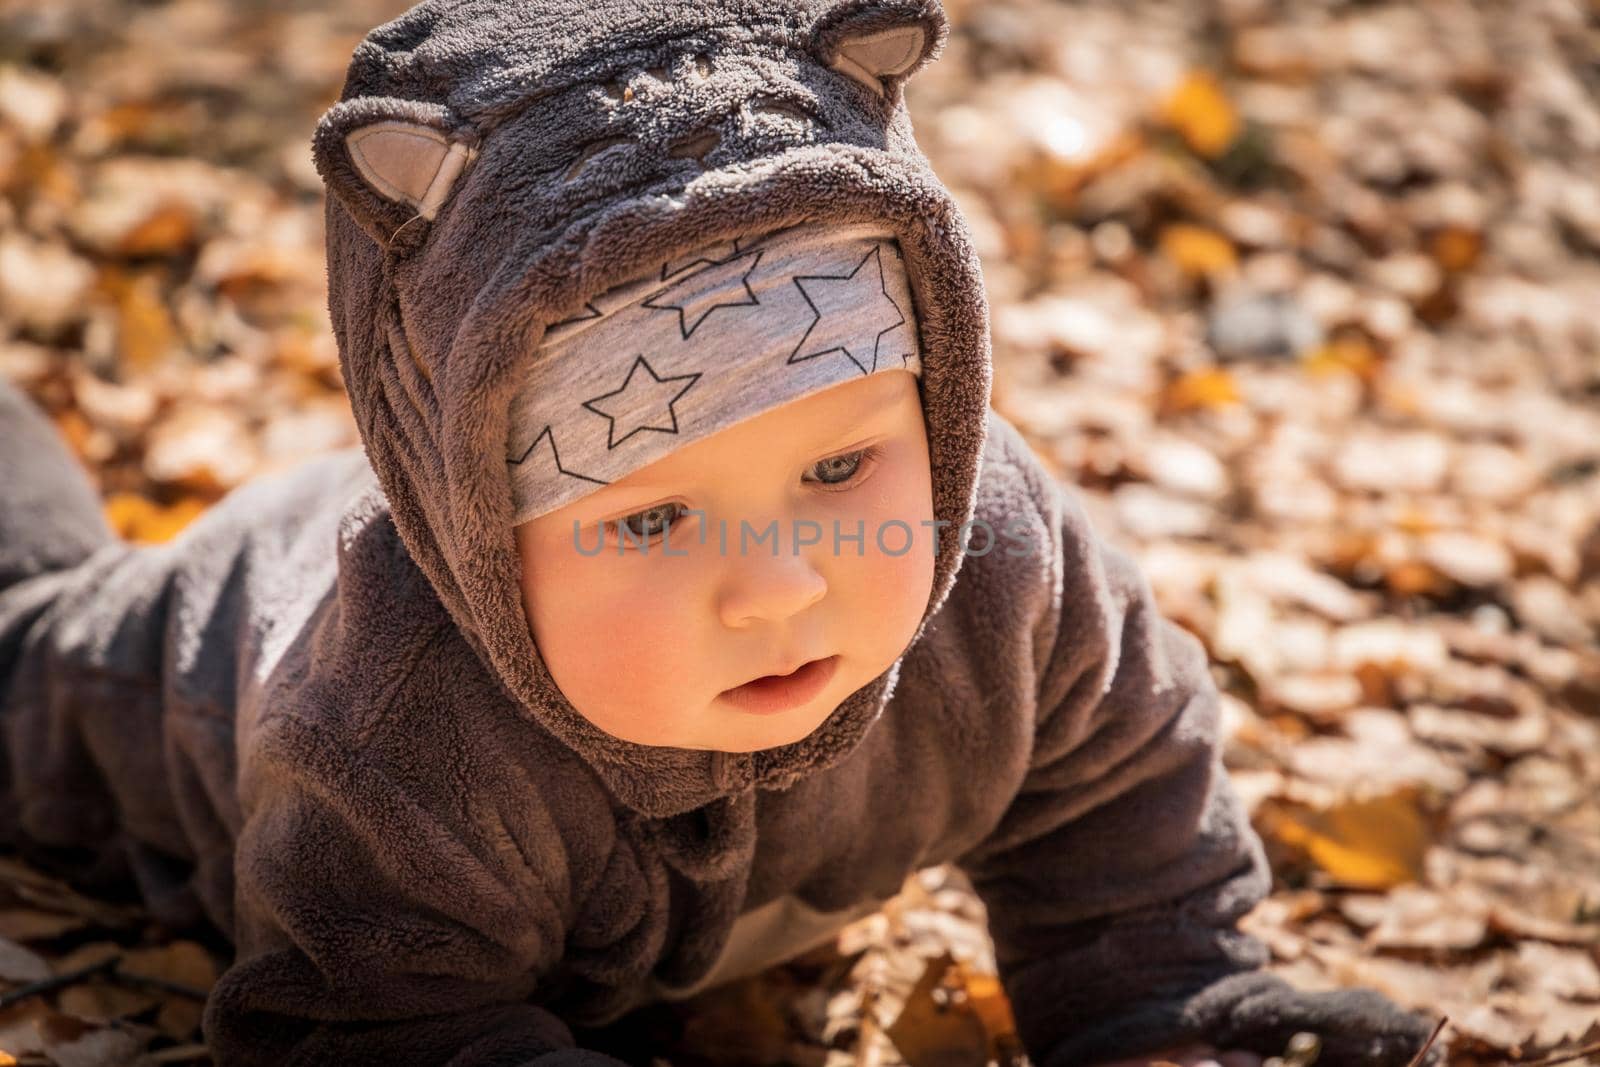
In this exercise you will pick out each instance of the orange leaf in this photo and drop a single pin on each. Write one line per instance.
(1345, 355)
(1456, 248)
(1415, 578)
(1198, 251)
(171, 227)
(1208, 388)
(990, 1003)
(1377, 843)
(938, 1025)
(1200, 111)
(145, 330)
(136, 518)
(75, 430)
(1416, 520)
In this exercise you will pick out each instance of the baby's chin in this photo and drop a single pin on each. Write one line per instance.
(775, 731)
(725, 729)
(728, 729)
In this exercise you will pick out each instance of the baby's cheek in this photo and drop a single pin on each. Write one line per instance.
(621, 647)
(886, 587)
(902, 583)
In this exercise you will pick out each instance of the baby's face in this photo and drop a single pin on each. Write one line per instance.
(647, 614)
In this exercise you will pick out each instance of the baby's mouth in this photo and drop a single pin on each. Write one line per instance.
(789, 673)
(777, 692)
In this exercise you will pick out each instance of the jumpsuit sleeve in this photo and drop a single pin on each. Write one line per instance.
(1115, 879)
(372, 931)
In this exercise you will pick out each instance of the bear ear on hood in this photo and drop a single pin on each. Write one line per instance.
(391, 163)
(881, 43)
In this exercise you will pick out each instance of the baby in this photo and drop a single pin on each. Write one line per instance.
(686, 597)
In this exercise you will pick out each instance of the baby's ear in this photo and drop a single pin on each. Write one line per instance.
(391, 163)
(881, 43)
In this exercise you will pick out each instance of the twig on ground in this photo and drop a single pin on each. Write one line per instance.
(1565, 1057)
(47, 985)
(1426, 1045)
(162, 985)
(177, 1054)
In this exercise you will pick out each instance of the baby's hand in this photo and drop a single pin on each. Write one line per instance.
(1190, 1056)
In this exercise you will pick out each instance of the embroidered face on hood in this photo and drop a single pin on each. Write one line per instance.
(492, 167)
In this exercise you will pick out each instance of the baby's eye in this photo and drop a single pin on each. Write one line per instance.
(836, 472)
(652, 521)
(841, 470)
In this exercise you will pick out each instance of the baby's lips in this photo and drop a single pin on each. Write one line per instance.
(779, 671)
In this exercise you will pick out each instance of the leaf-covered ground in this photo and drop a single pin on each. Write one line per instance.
(1302, 296)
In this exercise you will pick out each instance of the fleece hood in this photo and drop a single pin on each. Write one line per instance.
(492, 165)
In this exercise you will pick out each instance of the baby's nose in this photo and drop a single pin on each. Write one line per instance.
(769, 590)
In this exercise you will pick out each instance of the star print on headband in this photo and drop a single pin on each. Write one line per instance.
(643, 399)
(704, 289)
(841, 331)
(708, 339)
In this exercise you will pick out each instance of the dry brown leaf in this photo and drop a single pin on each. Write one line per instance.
(19, 1035)
(146, 333)
(1570, 973)
(938, 1027)
(201, 448)
(1417, 917)
(30, 924)
(1413, 577)
(71, 902)
(1514, 922)
(169, 229)
(70, 1042)
(43, 284)
(1377, 754)
(185, 963)
(85, 955)
(100, 1001)
(1344, 355)
(1456, 248)
(741, 1022)
(21, 965)
(1506, 736)
(989, 1001)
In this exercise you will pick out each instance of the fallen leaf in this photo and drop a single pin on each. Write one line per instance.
(1197, 251)
(29, 924)
(70, 1042)
(21, 965)
(1201, 112)
(136, 518)
(101, 1001)
(1376, 843)
(1199, 390)
(938, 1027)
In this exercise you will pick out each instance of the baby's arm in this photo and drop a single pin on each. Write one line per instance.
(372, 929)
(1114, 881)
(373, 924)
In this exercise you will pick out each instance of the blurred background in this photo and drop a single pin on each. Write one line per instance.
(1305, 298)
